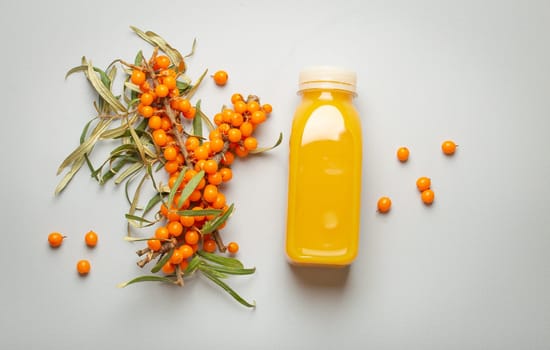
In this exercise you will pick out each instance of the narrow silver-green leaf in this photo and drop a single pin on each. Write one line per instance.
(265, 149)
(138, 219)
(197, 122)
(228, 289)
(200, 212)
(211, 225)
(206, 120)
(162, 261)
(103, 91)
(189, 188)
(137, 142)
(232, 270)
(193, 265)
(193, 89)
(147, 278)
(221, 260)
(175, 187)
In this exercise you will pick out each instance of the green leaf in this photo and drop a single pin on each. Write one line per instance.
(200, 212)
(103, 91)
(211, 276)
(193, 265)
(183, 87)
(139, 58)
(211, 225)
(189, 188)
(175, 187)
(147, 278)
(265, 149)
(152, 203)
(232, 270)
(197, 122)
(138, 221)
(221, 260)
(162, 261)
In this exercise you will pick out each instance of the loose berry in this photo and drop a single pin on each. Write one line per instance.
(384, 204)
(428, 196)
(448, 147)
(220, 77)
(403, 154)
(91, 239)
(423, 183)
(83, 267)
(55, 239)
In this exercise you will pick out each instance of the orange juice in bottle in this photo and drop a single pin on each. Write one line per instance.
(324, 184)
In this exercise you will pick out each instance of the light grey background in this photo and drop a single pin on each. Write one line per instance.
(470, 272)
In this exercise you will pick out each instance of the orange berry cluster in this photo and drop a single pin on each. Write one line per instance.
(423, 183)
(161, 103)
(55, 239)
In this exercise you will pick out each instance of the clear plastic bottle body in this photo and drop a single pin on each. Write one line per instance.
(324, 185)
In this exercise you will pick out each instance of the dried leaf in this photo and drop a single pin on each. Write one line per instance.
(197, 122)
(69, 175)
(131, 170)
(103, 91)
(157, 41)
(205, 119)
(191, 91)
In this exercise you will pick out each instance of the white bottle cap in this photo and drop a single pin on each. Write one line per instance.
(327, 77)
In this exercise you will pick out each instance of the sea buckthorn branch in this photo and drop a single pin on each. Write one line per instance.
(152, 113)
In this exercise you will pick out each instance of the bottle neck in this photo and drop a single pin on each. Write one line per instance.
(327, 94)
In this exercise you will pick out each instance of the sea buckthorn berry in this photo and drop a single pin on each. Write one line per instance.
(250, 143)
(146, 98)
(183, 105)
(170, 82)
(161, 90)
(233, 247)
(83, 267)
(175, 228)
(195, 196)
(161, 62)
(170, 153)
(384, 204)
(403, 154)
(209, 246)
(237, 119)
(189, 174)
(159, 137)
(215, 178)
(219, 202)
(246, 129)
(218, 119)
(192, 237)
(91, 239)
(201, 152)
(226, 174)
(176, 257)
(210, 193)
(227, 115)
(154, 244)
(257, 117)
(55, 239)
(214, 134)
(428, 196)
(190, 113)
(241, 151)
(423, 183)
(186, 251)
(192, 143)
(236, 97)
(267, 108)
(168, 268)
(210, 166)
(253, 106)
(240, 107)
(165, 123)
(171, 166)
(234, 135)
(228, 158)
(137, 77)
(146, 111)
(201, 184)
(220, 77)
(216, 145)
(162, 233)
(448, 147)
(155, 122)
(187, 221)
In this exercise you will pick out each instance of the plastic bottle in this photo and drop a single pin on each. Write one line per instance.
(324, 184)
